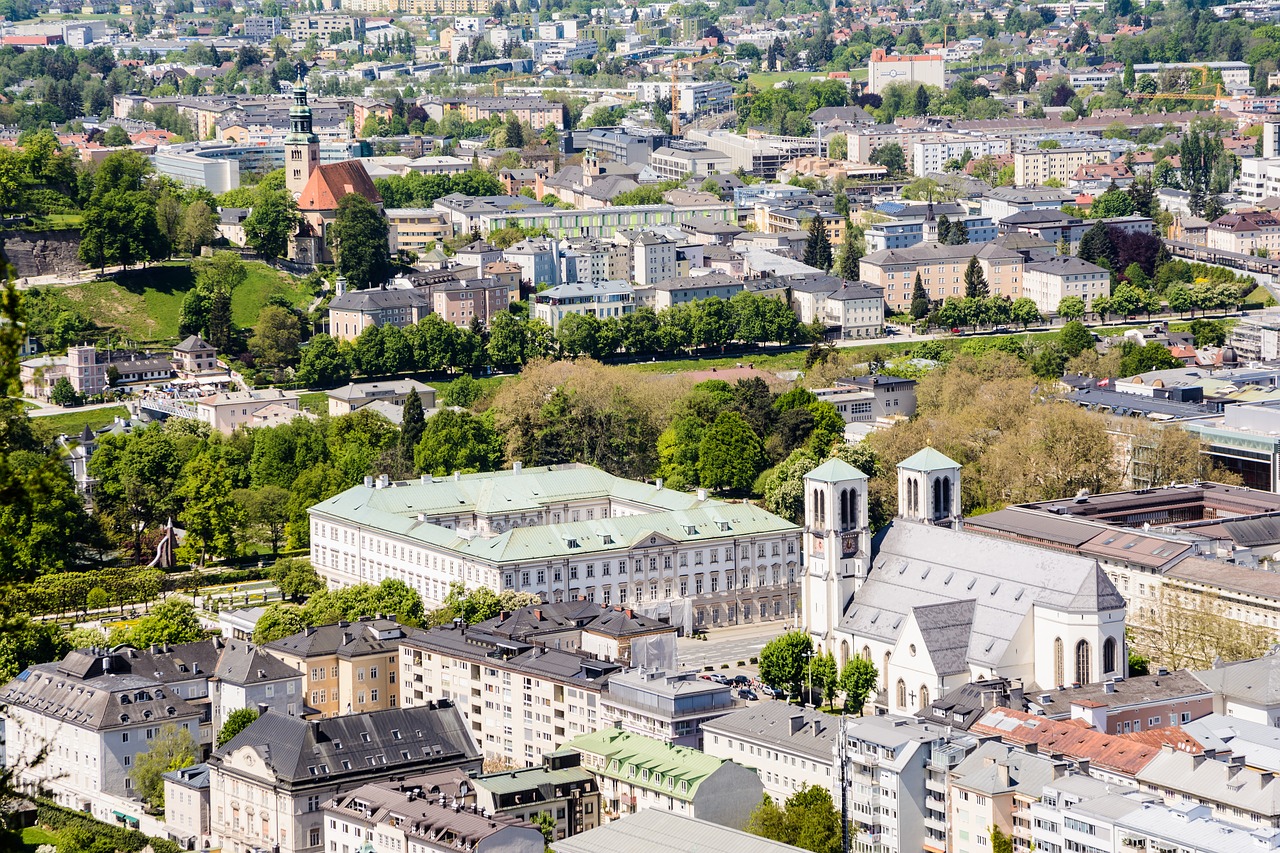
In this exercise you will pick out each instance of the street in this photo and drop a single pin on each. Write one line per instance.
(729, 645)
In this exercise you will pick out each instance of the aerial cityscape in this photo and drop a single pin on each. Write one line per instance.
(543, 426)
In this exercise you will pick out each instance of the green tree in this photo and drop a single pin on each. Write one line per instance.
(731, 454)
(975, 281)
(808, 820)
(1113, 202)
(838, 147)
(295, 578)
(783, 660)
(323, 363)
(173, 748)
(858, 680)
(358, 237)
(891, 157)
(1075, 339)
(546, 823)
(457, 441)
(784, 489)
(919, 299)
(198, 228)
(236, 722)
(277, 622)
(462, 392)
(172, 621)
(276, 336)
(823, 675)
(264, 511)
(1097, 247)
(1071, 308)
(849, 268)
(120, 227)
(116, 137)
(1001, 843)
(1024, 311)
(274, 220)
(412, 422)
(210, 515)
(64, 394)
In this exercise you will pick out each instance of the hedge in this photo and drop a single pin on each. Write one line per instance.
(124, 840)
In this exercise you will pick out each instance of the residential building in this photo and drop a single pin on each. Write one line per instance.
(636, 773)
(353, 311)
(679, 834)
(350, 667)
(759, 156)
(352, 396)
(918, 223)
(1135, 704)
(924, 69)
(941, 270)
(615, 633)
(653, 256)
(559, 787)
(674, 163)
(1031, 168)
(413, 229)
(538, 259)
(1256, 338)
(1246, 690)
(261, 27)
(1235, 74)
(660, 295)
(476, 300)
(537, 112)
(75, 727)
(520, 701)
(1002, 202)
(895, 782)
(928, 157)
(186, 807)
(408, 820)
(789, 747)
(1248, 232)
(590, 260)
(1048, 282)
(994, 788)
(602, 299)
(563, 533)
(269, 783)
(856, 309)
(195, 357)
(225, 411)
(1229, 791)
(669, 706)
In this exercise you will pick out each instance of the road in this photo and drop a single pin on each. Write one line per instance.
(729, 645)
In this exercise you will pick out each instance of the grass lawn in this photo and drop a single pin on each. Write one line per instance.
(73, 423)
(34, 836)
(314, 401)
(788, 360)
(144, 303)
(768, 79)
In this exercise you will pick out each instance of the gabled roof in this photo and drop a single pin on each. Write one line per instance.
(927, 459)
(329, 182)
(1254, 681)
(946, 628)
(193, 343)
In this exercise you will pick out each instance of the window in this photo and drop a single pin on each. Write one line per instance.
(1059, 667)
(1109, 655)
(902, 693)
(313, 805)
(1083, 668)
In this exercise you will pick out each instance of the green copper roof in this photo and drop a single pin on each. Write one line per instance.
(928, 459)
(677, 771)
(834, 471)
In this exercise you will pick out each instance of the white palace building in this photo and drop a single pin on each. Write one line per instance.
(935, 606)
(564, 532)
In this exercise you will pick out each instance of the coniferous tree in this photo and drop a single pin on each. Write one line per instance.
(975, 283)
(919, 300)
(817, 251)
(959, 235)
(944, 229)
(849, 258)
(412, 424)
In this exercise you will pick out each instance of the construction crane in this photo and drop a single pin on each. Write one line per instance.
(500, 80)
(675, 95)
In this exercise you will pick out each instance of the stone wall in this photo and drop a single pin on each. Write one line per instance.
(35, 253)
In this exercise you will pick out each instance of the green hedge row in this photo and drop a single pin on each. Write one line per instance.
(105, 835)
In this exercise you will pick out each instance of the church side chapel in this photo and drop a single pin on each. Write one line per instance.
(934, 606)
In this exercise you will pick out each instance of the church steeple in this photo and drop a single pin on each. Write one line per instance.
(301, 146)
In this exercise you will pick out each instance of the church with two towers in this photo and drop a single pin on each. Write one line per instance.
(935, 606)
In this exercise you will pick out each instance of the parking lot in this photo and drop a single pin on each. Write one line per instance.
(729, 645)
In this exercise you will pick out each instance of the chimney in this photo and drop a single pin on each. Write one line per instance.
(1083, 765)
(383, 481)
(702, 494)
(457, 475)
(1002, 775)
(368, 482)
(659, 483)
(630, 613)
(517, 466)
(1110, 687)
(262, 708)
(537, 614)
(797, 722)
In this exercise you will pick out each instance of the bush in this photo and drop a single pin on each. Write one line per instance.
(742, 663)
(755, 661)
(724, 666)
(104, 835)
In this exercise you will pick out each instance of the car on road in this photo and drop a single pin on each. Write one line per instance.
(749, 695)
(773, 692)
(718, 678)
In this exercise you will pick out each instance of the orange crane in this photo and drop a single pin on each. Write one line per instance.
(499, 80)
(675, 95)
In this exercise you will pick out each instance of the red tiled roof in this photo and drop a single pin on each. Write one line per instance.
(331, 181)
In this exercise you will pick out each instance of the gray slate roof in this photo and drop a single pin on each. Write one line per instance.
(783, 726)
(1255, 681)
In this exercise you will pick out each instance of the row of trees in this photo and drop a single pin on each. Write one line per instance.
(514, 338)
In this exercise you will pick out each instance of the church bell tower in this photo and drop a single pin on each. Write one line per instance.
(301, 146)
(837, 547)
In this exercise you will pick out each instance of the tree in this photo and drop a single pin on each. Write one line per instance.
(323, 363)
(1001, 843)
(857, 680)
(1074, 338)
(265, 511)
(63, 393)
(276, 336)
(545, 821)
(817, 250)
(210, 515)
(1113, 202)
(1096, 246)
(172, 748)
(172, 621)
(783, 660)
(273, 221)
(849, 261)
(412, 422)
(218, 328)
(731, 454)
(358, 237)
(277, 622)
(808, 820)
(120, 227)
(1071, 308)
(890, 156)
(919, 299)
(823, 676)
(975, 281)
(1184, 629)
(457, 441)
(784, 489)
(1208, 333)
(295, 578)
(236, 722)
(838, 147)
(1024, 311)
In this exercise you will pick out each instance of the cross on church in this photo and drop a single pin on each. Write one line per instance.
(911, 696)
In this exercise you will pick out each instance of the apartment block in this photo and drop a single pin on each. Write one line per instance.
(941, 270)
(670, 706)
(789, 747)
(1033, 167)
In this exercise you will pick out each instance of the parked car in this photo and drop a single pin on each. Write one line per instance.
(706, 677)
(773, 692)
(740, 681)
(749, 695)
(719, 679)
